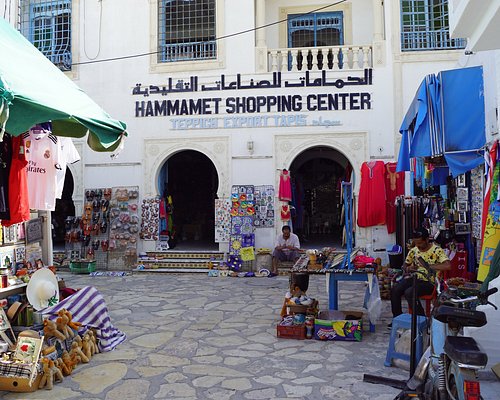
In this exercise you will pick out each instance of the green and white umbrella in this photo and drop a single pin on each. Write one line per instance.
(33, 90)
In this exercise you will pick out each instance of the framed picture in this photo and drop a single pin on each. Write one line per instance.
(28, 349)
(461, 180)
(462, 216)
(462, 206)
(462, 229)
(462, 194)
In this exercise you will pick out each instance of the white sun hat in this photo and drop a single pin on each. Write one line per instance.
(43, 289)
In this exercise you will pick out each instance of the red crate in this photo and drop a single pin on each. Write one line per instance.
(291, 332)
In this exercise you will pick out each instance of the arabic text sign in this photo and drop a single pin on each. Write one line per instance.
(222, 85)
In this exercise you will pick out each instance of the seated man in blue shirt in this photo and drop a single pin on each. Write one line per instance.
(286, 248)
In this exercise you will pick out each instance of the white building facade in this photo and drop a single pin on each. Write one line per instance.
(244, 89)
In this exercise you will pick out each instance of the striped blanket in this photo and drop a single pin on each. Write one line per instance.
(89, 308)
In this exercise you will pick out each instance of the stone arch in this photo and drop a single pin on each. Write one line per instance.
(352, 145)
(157, 152)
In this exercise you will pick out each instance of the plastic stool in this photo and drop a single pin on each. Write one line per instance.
(403, 321)
(429, 299)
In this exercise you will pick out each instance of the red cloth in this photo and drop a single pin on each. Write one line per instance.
(285, 189)
(18, 185)
(394, 186)
(371, 204)
(285, 213)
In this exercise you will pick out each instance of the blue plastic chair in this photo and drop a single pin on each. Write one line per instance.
(403, 321)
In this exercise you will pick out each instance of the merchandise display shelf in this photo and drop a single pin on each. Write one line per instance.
(12, 289)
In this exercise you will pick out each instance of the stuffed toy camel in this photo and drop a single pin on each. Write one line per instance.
(50, 329)
(62, 325)
(51, 374)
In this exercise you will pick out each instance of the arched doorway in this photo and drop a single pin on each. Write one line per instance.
(65, 207)
(317, 174)
(188, 183)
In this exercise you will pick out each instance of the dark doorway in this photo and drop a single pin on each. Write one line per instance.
(190, 180)
(65, 207)
(317, 174)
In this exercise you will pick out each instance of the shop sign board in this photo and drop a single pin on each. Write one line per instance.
(221, 99)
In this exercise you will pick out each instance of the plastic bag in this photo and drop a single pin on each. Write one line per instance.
(374, 302)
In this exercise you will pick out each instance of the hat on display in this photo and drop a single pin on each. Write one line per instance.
(43, 289)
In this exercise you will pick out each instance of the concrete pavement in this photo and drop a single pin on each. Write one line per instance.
(194, 337)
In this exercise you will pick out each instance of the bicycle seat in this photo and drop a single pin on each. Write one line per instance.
(465, 350)
(460, 316)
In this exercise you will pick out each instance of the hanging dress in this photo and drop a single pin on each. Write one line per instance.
(285, 189)
(371, 204)
(394, 186)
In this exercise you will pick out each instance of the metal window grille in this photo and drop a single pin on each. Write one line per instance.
(47, 24)
(316, 30)
(186, 30)
(424, 26)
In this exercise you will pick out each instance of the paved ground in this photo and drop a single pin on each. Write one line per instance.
(194, 337)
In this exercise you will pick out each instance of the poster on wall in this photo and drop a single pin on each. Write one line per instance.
(222, 220)
(264, 206)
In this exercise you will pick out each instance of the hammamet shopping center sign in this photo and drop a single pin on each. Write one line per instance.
(230, 105)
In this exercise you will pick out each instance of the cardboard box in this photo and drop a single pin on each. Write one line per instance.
(339, 325)
(17, 384)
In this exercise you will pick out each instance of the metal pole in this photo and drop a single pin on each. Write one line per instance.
(413, 348)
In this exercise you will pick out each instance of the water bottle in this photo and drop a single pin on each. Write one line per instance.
(309, 326)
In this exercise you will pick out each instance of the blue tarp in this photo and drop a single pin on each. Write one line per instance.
(463, 113)
(446, 117)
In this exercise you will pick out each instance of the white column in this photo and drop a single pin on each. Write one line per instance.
(261, 58)
(378, 20)
(260, 20)
(47, 251)
(378, 49)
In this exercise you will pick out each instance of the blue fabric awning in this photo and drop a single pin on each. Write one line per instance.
(446, 117)
(464, 127)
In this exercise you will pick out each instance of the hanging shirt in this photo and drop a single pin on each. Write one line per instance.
(68, 154)
(285, 189)
(371, 204)
(42, 153)
(18, 184)
(5, 165)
